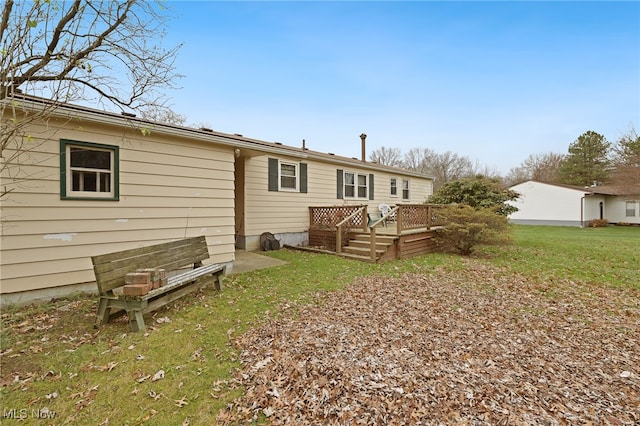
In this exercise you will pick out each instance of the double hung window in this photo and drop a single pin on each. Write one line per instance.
(88, 170)
(286, 176)
(356, 185)
(405, 189)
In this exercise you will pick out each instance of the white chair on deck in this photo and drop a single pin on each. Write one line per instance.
(385, 209)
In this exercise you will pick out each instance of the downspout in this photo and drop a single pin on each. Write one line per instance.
(582, 208)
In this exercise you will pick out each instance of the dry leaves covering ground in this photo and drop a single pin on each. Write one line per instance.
(476, 347)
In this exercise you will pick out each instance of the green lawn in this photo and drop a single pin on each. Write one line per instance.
(607, 256)
(52, 357)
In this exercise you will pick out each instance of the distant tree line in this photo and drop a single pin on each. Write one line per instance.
(589, 160)
(443, 167)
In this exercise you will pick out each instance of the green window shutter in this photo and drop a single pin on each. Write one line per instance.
(63, 169)
(340, 185)
(303, 177)
(273, 174)
(371, 197)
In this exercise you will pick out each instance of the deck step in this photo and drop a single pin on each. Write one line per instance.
(365, 244)
(362, 251)
(355, 257)
(360, 246)
(380, 239)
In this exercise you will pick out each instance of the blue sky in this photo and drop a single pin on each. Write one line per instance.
(495, 81)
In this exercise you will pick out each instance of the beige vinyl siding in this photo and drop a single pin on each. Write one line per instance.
(419, 189)
(275, 212)
(283, 211)
(170, 188)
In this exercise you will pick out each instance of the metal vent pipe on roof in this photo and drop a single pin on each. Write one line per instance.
(363, 138)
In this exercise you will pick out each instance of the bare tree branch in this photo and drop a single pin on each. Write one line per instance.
(386, 156)
(6, 12)
(103, 52)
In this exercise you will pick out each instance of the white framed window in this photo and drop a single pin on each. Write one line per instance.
(393, 187)
(630, 210)
(88, 171)
(349, 185)
(356, 185)
(362, 186)
(288, 176)
(405, 189)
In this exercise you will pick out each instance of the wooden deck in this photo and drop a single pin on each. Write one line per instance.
(405, 232)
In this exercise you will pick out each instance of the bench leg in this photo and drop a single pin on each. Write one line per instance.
(218, 280)
(102, 316)
(136, 321)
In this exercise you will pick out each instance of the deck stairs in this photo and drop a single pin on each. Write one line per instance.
(358, 247)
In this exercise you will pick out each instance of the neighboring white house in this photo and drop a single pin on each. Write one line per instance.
(565, 205)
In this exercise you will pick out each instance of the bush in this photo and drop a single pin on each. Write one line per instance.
(598, 223)
(479, 192)
(465, 227)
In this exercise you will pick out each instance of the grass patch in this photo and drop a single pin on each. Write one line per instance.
(606, 256)
(53, 359)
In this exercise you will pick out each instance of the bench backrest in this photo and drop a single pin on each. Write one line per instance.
(110, 269)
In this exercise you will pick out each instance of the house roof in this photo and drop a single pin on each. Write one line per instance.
(611, 189)
(234, 140)
(618, 189)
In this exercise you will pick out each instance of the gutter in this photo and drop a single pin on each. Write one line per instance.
(71, 111)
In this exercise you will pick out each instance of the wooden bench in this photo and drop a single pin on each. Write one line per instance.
(110, 270)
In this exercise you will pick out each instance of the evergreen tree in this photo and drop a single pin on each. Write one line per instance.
(587, 161)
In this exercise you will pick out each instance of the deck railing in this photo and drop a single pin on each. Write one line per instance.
(329, 217)
(348, 222)
(342, 219)
(416, 216)
(407, 217)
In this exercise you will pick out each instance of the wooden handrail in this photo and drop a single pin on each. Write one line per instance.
(362, 211)
(385, 217)
(351, 216)
(372, 231)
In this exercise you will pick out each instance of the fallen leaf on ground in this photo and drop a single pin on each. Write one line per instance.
(181, 402)
(478, 346)
(159, 375)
